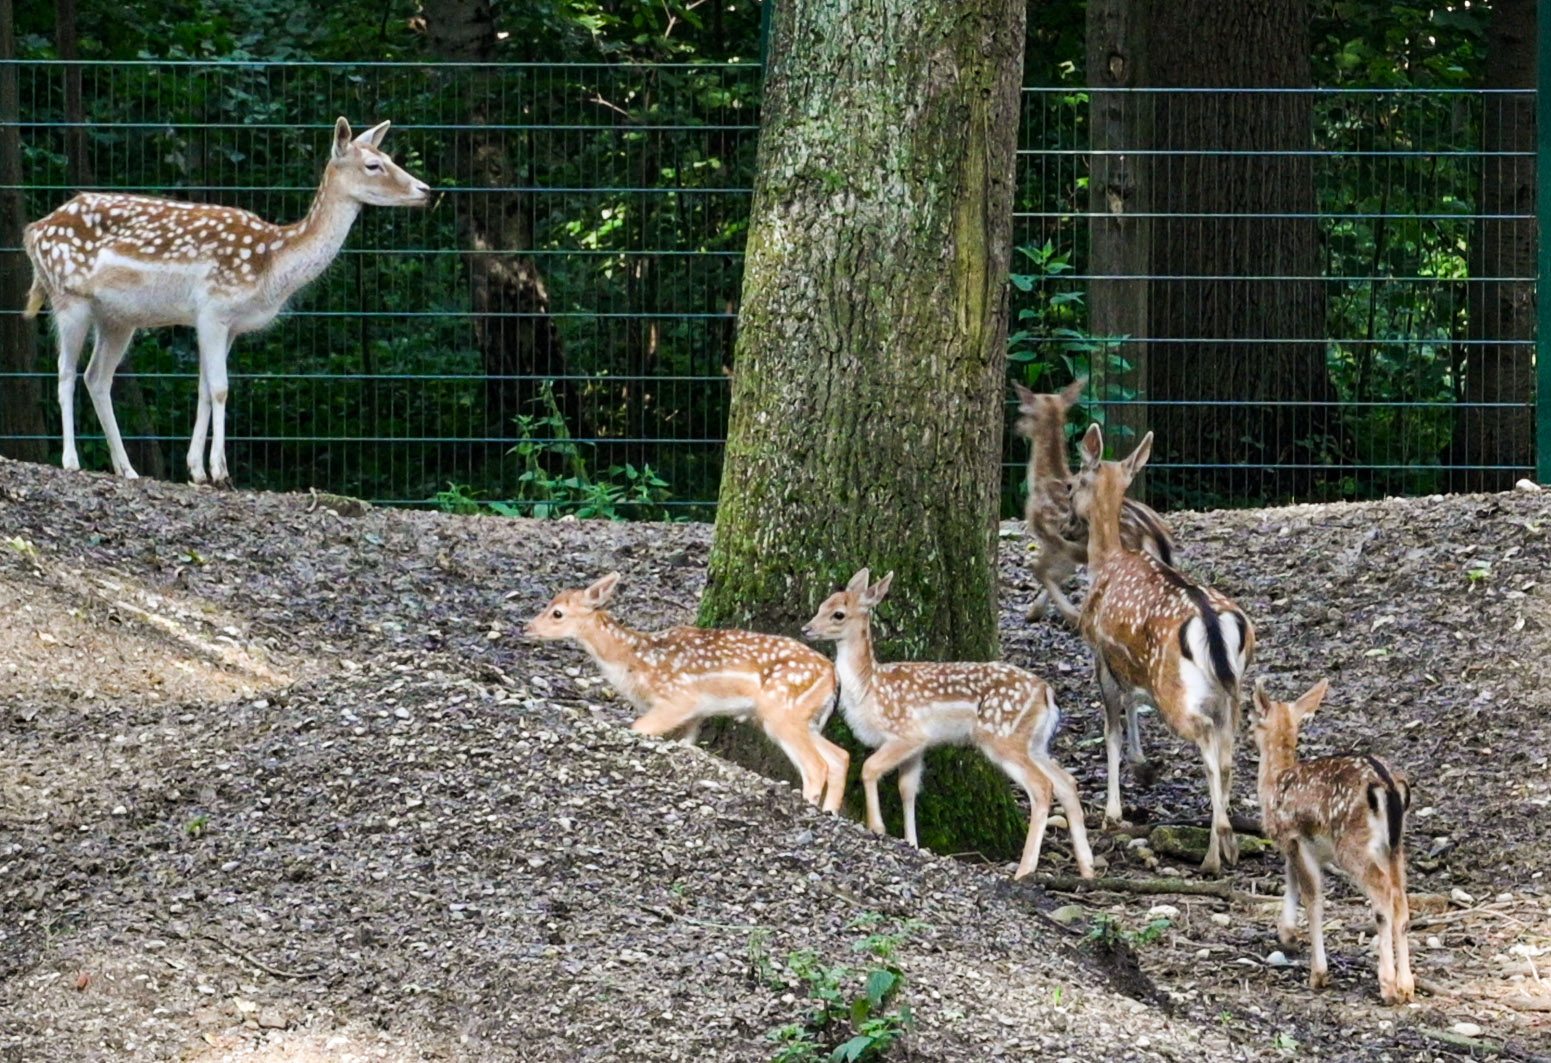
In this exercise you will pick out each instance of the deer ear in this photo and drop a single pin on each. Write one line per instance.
(341, 137)
(1092, 448)
(1310, 700)
(600, 593)
(859, 582)
(373, 136)
(1138, 457)
(1261, 699)
(1025, 397)
(1073, 391)
(874, 594)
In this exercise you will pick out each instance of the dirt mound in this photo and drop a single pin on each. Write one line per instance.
(358, 817)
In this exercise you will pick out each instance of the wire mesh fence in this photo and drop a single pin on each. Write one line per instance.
(1304, 294)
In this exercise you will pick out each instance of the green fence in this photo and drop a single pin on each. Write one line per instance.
(1304, 294)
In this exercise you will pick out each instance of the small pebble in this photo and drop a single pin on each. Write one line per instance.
(1435, 942)
(1457, 894)
(1163, 911)
(1466, 1029)
(1221, 918)
(1278, 959)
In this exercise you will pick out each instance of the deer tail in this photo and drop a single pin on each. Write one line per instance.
(1394, 794)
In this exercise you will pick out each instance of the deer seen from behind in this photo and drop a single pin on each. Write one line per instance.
(111, 264)
(1063, 536)
(680, 677)
(1348, 811)
(903, 709)
(1155, 633)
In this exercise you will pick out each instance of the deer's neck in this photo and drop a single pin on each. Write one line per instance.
(312, 243)
(1103, 525)
(616, 650)
(854, 662)
(1276, 757)
(1047, 455)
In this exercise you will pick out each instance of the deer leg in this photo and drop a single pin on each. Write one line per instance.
(836, 761)
(107, 353)
(909, 786)
(71, 320)
(1052, 568)
(1110, 693)
(1380, 888)
(1065, 788)
(1223, 844)
(794, 738)
(1405, 981)
(215, 341)
(1306, 866)
(884, 759)
(196, 446)
(1134, 755)
(1287, 922)
(665, 717)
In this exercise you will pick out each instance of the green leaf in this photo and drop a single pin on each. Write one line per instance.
(881, 983)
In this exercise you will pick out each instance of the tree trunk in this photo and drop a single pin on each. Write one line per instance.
(1236, 309)
(1120, 232)
(23, 431)
(866, 418)
(517, 337)
(134, 413)
(1499, 360)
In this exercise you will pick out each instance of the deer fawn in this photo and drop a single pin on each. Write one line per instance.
(1061, 535)
(684, 675)
(1155, 632)
(116, 263)
(1349, 811)
(902, 710)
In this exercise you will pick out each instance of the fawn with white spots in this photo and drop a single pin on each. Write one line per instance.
(1154, 632)
(903, 709)
(115, 263)
(1062, 535)
(684, 675)
(1349, 811)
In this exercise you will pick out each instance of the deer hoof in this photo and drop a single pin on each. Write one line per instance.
(1318, 979)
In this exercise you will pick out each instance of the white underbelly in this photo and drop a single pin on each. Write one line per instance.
(734, 707)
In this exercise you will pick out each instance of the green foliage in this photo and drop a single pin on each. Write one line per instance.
(1107, 932)
(852, 1014)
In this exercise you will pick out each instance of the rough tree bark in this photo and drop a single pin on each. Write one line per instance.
(1217, 332)
(1499, 359)
(517, 337)
(22, 427)
(1120, 232)
(866, 404)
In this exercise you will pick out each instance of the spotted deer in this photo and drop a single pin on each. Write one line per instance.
(1156, 634)
(682, 676)
(1349, 811)
(114, 263)
(903, 709)
(1062, 536)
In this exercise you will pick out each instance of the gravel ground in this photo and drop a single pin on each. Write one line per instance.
(277, 783)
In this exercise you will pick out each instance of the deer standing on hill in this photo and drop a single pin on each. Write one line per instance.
(684, 675)
(1154, 632)
(901, 710)
(1063, 536)
(116, 263)
(1349, 811)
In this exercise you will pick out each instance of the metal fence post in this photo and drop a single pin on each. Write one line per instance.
(1543, 244)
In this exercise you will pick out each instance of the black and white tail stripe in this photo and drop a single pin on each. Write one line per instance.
(1397, 798)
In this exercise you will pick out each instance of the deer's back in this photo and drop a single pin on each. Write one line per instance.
(736, 659)
(1331, 799)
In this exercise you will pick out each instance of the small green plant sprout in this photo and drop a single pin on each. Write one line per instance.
(848, 1025)
(197, 826)
(1285, 1042)
(1107, 931)
(1478, 570)
(26, 547)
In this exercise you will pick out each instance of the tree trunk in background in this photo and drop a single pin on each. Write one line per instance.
(1499, 362)
(1120, 233)
(497, 227)
(133, 412)
(1217, 333)
(21, 399)
(866, 417)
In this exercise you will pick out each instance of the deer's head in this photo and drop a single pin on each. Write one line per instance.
(1098, 478)
(848, 609)
(572, 611)
(1276, 722)
(1035, 410)
(367, 174)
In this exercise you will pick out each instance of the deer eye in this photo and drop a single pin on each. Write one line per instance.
(558, 613)
(839, 615)
(373, 166)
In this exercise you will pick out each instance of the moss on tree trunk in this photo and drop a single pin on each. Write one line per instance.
(866, 416)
